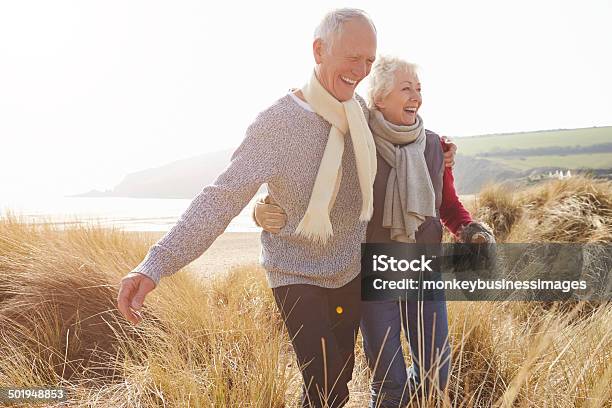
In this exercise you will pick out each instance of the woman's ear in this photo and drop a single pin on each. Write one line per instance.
(379, 104)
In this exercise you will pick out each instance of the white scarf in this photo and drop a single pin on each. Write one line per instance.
(343, 116)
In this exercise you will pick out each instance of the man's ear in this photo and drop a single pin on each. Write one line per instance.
(317, 50)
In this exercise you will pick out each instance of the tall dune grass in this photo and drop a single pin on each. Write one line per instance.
(219, 342)
(578, 209)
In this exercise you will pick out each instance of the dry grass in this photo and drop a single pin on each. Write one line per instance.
(578, 209)
(222, 343)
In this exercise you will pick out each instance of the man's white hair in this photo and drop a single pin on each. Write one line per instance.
(382, 76)
(331, 24)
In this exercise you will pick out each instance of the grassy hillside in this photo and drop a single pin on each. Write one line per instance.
(571, 161)
(515, 157)
(222, 344)
(472, 145)
(504, 147)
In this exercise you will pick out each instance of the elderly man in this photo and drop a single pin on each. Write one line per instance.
(319, 164)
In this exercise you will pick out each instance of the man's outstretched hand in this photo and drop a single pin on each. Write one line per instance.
(132, 292)
(450, 150)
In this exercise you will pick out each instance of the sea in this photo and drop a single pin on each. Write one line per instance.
(128, 214)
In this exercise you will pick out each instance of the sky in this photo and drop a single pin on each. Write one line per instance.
(93, 90)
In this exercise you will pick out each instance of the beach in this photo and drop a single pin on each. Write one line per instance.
(221, 341)
(230, 249)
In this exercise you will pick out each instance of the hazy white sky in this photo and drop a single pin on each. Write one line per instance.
(90, 91)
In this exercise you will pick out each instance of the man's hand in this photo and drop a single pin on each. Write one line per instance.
(269, 216)
(450, 150)
(132, 292)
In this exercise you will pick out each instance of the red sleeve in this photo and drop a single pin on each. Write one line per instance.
(452, 212)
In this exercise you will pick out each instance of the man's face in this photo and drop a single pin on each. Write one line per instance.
(341, 68)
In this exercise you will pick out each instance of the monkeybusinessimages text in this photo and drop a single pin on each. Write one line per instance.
(385, 263)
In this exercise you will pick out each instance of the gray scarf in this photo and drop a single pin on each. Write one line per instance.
(410, 195)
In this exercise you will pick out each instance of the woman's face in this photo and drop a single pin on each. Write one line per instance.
(401, 105)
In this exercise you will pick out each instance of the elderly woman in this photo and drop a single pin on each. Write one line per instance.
(408, 157)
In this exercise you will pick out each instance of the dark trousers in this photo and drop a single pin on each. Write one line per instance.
(322, 324)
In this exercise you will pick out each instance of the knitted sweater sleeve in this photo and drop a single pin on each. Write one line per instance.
(453, 214)
(254, 162)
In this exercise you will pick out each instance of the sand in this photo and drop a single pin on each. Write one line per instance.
(229, 250)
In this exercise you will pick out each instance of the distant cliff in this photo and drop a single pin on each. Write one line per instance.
(185, 178)
(472, 173)
(515, 157)
(179, 179)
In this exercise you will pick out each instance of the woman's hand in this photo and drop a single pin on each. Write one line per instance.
(268, 215)
(481, 259)
(477, 233)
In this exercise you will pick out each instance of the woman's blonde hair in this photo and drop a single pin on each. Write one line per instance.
(382, 76)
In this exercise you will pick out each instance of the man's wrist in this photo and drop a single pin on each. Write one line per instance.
(151, 268)
(147, 276)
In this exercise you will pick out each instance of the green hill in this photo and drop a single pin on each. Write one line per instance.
(521, 156)
(571, 161)
(589, 148)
